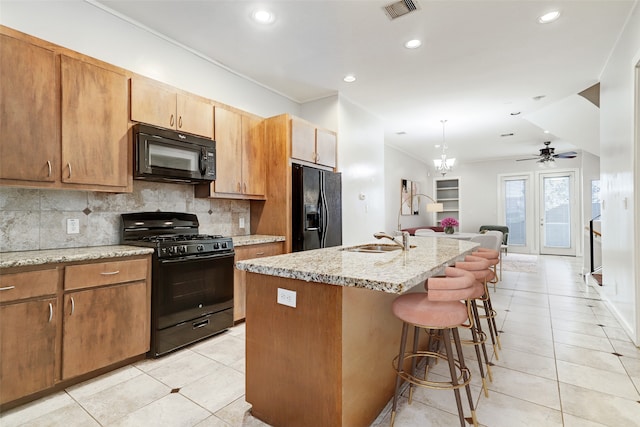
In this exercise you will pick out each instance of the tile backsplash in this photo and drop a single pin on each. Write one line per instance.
(32, 219)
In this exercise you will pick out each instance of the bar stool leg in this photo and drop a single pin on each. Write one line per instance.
(493, 319)
(414, 360)
(476, 334)
(465, 374)
(403, 343)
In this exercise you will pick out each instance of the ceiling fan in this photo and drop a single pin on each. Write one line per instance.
(547, 154)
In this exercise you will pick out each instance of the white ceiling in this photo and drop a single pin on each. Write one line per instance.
(479, 62)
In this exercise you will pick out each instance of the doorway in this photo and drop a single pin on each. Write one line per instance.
(558, 213)
(516, 211)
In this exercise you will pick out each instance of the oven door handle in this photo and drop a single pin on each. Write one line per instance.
(196, 258)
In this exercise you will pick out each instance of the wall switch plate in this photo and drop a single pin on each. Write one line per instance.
(73, 226)
(287, 297)
(241, 225)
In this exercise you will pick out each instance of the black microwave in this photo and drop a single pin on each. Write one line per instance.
(170, 156)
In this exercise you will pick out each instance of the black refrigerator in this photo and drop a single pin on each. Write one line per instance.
(316, 208)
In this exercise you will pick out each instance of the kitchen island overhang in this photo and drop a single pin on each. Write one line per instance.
(328, 360)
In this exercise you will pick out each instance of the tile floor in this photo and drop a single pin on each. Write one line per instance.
(565, 361)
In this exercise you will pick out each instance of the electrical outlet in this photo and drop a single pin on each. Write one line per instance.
(241, 225)
(287, 297)
(73, 226)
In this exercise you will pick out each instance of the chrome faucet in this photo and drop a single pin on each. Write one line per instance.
(405, 239)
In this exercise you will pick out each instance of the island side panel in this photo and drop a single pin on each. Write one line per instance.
(371, 340)
(294, 372)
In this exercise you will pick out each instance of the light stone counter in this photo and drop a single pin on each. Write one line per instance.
(392, 272)
(255, 239)
(27, 258)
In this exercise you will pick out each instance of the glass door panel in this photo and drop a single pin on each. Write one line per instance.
(557, 216)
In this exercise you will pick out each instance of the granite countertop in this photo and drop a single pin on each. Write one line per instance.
(393, 271)
(47, 256)
(255, 239)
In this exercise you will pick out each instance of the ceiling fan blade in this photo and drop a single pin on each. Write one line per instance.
(530, 158)
(567, 155)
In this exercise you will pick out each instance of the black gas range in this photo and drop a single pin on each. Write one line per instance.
(191, 274)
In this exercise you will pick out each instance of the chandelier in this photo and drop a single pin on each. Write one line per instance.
(443, 165)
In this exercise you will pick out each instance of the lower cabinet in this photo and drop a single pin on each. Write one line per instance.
(104, 326)
(28, 332)
(27, 347)
(60, 321)
(239, 277)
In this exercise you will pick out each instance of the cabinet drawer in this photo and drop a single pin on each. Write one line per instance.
(17, 286)
(258, 251)
(105, 273)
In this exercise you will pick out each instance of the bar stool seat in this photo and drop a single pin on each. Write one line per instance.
(440, 308)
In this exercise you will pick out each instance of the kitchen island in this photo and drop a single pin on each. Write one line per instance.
(322, 356)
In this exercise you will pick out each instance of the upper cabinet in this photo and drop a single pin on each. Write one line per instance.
(63, 118)
(312, 144)
(94, 124)
(240, 164)
(161, 105)
(28, 112)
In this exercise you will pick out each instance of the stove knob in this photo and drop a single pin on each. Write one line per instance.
(216, 246)
(224, 245)
(182, 249)
(200, 248)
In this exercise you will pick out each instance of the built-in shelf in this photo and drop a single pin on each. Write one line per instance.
(447, 193)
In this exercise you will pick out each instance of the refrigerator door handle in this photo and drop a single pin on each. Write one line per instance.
(324, 212)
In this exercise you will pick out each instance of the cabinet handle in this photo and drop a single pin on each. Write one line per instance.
(7, 288)
(73, 306)
(244, 187)
(69, 166)
(171, 120)
(180, 122)
(110, 273)
(238, 187)
(259, 253)
(50, 312)
(49, 166)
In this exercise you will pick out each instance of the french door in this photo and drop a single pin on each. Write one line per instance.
(516, 211)
(558, 213)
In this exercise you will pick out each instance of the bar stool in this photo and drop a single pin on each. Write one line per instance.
(440, 308)
(492, 256)
(478, 267)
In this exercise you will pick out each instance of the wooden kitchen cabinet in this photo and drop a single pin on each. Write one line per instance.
(28, 332)
(106, 316)
(161, 105)
(312, 144)
(239, 276)
(63, 118)
(240, 164)
(94, 124)
(28, 112)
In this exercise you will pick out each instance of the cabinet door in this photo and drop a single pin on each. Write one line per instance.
(194, 116)
(253, 163)
(152, 104)
(28, 112)
(228, 136)
(239, 276)
(94, 124)
(303, 137)
(27, 348)
(104, 326)
(326, 148)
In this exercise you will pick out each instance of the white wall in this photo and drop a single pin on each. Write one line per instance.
(398, 166)
(620, 180)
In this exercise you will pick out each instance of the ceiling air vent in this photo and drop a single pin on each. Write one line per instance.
(400, 8)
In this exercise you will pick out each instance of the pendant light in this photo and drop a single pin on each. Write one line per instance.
(443, 165)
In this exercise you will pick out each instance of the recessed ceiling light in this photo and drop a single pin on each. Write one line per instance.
(263, 16)
(401, 132)
(539, 97)
(546, 131)
(349, 78)
(549, 17)
(413, 44)
(515, 113)
(506, 134)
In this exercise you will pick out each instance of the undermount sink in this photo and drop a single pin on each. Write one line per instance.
(373, 248)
